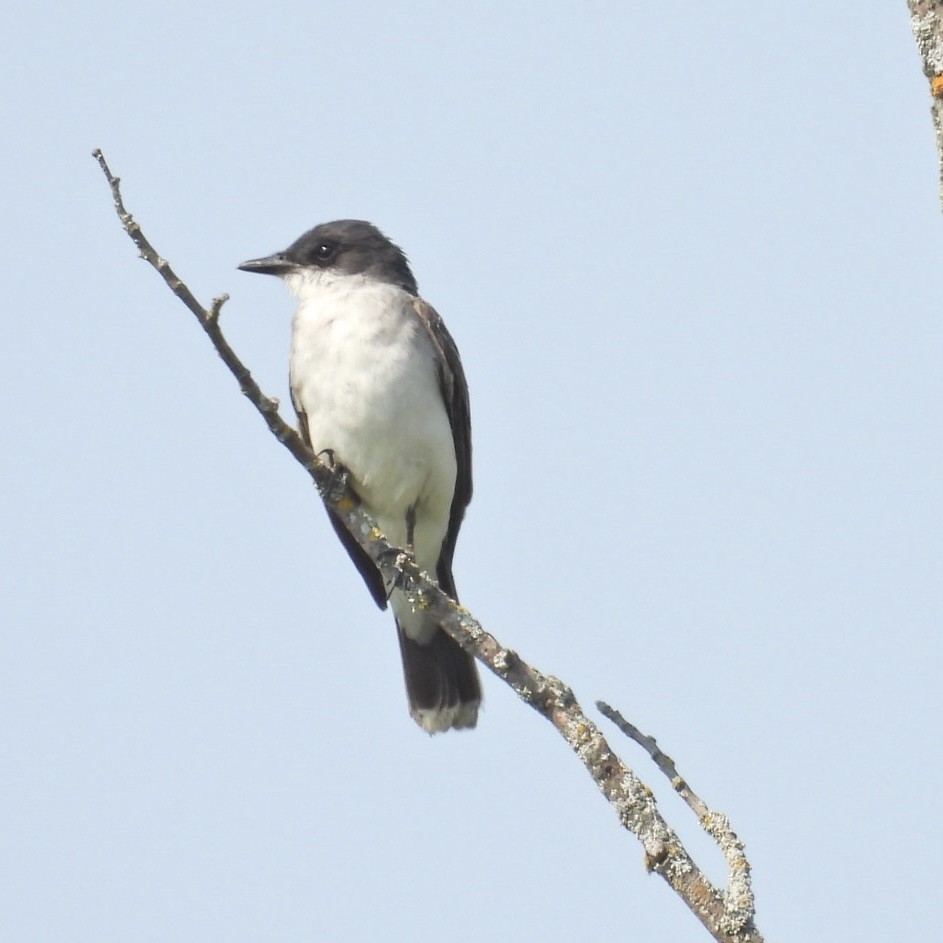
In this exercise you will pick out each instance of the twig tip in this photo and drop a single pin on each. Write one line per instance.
(216, 306)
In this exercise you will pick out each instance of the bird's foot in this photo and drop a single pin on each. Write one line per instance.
(338, 486)
(391, 563)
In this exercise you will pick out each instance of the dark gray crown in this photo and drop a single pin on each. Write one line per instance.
(353, 246)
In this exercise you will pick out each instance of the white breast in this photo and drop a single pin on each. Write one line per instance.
(364, 372)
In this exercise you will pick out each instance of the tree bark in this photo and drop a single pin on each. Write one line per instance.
(926, 21)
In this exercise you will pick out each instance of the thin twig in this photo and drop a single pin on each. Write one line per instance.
(738, 897)
(633, 801)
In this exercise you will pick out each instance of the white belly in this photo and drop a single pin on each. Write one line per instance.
(364, 373)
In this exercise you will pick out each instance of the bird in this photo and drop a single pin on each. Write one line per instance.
(378, 388)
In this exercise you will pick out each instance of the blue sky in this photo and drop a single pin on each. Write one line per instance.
(690, 254)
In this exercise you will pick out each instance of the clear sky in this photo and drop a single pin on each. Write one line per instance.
(691, 255)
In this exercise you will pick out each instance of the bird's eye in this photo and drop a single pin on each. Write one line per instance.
(325, 252)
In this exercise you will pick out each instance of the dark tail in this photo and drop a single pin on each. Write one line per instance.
(441, 682)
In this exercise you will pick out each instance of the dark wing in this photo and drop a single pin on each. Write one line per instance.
(369, 572)
(455, 395)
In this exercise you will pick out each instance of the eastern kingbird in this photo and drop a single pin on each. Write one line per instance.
(378, 385)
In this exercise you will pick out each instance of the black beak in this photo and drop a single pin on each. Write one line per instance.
(276, 264)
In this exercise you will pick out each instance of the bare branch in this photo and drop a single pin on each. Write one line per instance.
(728, 917)
(738, 903)
(926, 21)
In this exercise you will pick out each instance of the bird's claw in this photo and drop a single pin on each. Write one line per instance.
(391, 561)
(339, 482)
